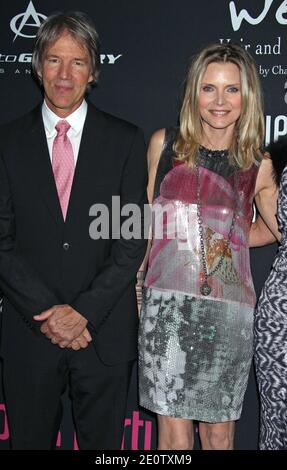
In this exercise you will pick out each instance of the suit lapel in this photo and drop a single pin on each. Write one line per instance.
(91, 149)
(42, 168)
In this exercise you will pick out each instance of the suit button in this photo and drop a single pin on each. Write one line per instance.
(66, 246)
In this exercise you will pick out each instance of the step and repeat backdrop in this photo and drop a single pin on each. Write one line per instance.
(146, 48)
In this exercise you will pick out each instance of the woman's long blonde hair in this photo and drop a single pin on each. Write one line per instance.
(249, 129)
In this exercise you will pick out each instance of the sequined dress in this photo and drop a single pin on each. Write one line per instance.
(195, 351)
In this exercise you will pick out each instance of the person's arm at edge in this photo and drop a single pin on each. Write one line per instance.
(266, 197)
(153, 155)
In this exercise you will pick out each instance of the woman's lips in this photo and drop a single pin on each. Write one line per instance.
(218, 113)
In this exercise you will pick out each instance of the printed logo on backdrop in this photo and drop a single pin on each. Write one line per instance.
(274, 47)
(20, 24)
(137, 435)
(24, 26)
(269, 52)
(238, 16)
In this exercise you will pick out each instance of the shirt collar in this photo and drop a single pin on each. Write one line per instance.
(76, 119)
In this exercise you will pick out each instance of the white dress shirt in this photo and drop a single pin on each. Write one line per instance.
(76, 121)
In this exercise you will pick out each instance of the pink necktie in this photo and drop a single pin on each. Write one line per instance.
(63, 164)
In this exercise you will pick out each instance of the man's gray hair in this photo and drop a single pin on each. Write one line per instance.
(79, 26)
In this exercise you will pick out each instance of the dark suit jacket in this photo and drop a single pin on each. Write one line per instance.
(44, 261)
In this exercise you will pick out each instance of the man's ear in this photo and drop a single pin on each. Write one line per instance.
(91, 78)
(39, 75)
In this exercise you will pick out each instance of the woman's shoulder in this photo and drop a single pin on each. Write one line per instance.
(161, 143)
(156, 144)
(164, 135)
(157, 139)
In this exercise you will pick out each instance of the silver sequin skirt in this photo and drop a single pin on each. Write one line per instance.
(194, 356)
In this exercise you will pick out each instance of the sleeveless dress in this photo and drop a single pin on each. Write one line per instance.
(271, 341)
(195, 351)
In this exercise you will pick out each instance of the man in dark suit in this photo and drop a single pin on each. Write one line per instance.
(69, 305)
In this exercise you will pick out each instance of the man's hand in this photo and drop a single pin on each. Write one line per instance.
(81, 342)
(62, 325)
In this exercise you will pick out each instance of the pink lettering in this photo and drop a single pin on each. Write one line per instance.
(5, 434)
(76, 447)
(58, 443)
(127, 423)
(136, 423)
(147, 435)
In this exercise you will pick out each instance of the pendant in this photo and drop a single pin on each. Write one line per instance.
(205, 288)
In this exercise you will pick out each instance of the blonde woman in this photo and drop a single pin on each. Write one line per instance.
(195, 341)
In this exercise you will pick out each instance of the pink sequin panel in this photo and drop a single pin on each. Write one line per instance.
(175, 260)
